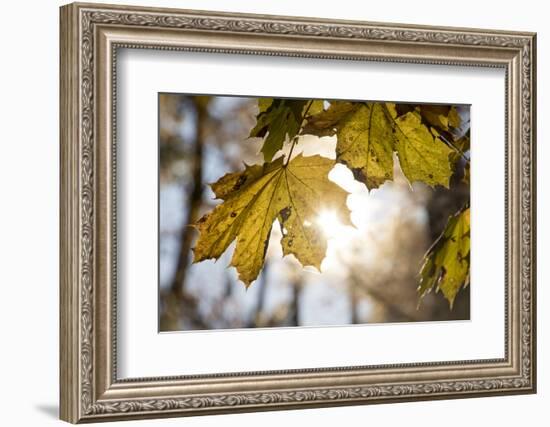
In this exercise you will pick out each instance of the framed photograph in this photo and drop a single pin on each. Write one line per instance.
(266, 212)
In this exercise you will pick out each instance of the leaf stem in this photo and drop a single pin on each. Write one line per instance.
(295, 139)
(454, 147)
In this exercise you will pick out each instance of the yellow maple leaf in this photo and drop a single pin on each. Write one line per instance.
(293, 193)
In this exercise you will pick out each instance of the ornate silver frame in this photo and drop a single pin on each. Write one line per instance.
(90, 36)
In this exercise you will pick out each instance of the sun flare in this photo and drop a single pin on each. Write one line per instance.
(329, 223)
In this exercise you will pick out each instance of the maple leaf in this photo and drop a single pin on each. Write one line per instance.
(442, 117)
(368, 133)
(466, 177)
(447, 264)
(317, 106)
(461, 146)
(277, 120)
(366, 144)
(422, 155)
(325, 123)
(293, 193)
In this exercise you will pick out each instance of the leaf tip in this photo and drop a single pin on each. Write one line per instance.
(451, 302)
(246, 282)
(196, 256)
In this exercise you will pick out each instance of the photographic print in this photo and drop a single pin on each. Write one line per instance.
(322, 240)
(280, 212)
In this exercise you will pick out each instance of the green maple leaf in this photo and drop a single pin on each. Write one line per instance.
(294, 194)
(277, 121)
(447, 264)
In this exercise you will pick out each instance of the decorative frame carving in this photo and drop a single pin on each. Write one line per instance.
(90, 36)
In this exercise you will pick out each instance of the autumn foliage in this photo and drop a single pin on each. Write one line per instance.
(371, 136)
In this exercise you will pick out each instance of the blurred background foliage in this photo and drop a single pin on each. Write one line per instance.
(370, 273)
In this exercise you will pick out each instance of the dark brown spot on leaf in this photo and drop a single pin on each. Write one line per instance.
(285, 213)
(358, 174)
(240, 182)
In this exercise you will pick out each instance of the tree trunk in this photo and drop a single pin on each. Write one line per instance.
(295, 304)
(354, 302)
(256, 319)
(176, 299)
